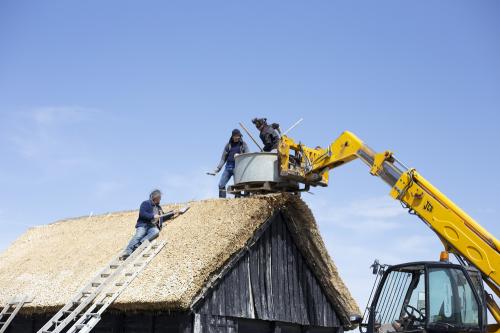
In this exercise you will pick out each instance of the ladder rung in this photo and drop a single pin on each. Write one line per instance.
(113, 266)
(137, 264)
(105, 275)
(129, 273)
(118, 284)
(146, 255)
(96, 284)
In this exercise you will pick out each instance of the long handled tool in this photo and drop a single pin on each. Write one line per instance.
(293, 126)
(250, 135)
(170, 214)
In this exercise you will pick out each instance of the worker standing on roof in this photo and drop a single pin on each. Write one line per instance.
(149, 223)
(236, 145)
(269, 134)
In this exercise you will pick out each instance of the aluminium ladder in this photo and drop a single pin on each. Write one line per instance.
(11, 309)
(93, 314)
(71, 312)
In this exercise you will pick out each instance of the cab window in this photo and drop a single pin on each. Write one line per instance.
(401, 303)
(451, 300)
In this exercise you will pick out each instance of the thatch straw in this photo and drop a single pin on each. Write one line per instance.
(52, 262)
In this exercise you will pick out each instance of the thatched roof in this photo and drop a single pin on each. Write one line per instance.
(52, 262)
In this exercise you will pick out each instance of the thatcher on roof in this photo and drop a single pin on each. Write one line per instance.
(53, 261)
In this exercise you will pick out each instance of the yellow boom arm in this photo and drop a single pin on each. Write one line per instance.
(459, 233)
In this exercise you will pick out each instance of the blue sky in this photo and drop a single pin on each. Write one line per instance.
(102, 101)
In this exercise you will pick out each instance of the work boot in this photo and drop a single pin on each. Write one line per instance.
(222, 193)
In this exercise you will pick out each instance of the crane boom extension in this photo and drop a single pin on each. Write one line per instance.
(459, 233)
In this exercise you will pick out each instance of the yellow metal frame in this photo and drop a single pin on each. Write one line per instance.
(316, 162)
(459, 232)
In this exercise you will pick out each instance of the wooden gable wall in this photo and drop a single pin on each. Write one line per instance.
(271, 282)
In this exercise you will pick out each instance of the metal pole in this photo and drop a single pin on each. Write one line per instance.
(250, 135)
(293, 126)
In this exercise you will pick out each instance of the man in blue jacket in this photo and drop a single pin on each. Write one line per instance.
(236, 145)
(149, 223)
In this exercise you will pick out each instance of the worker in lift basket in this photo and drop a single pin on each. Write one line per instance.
(269, 134)
(236, 145)
(149, 223)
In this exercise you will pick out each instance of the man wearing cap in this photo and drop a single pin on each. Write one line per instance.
(269, 134)
(236, 145)
(148, 224)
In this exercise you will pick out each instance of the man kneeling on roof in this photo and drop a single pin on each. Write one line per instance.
(149, 223)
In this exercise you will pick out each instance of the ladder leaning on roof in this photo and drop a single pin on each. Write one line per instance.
(93, 314)
(103, 287)
(11, 309)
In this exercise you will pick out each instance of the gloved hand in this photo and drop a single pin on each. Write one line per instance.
(213, 173)
(156, 217)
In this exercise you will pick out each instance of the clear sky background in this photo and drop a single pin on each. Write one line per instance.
(101, 101)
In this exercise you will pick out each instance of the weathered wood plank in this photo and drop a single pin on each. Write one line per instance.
(292, 269)
(265, 261)
(272, 271)
(255, 274)
(291, 278)
(251, 305)
(243, 288)
(307, 295)
(229, 291)
(281, 276)
(301, 297)
(314, 293)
